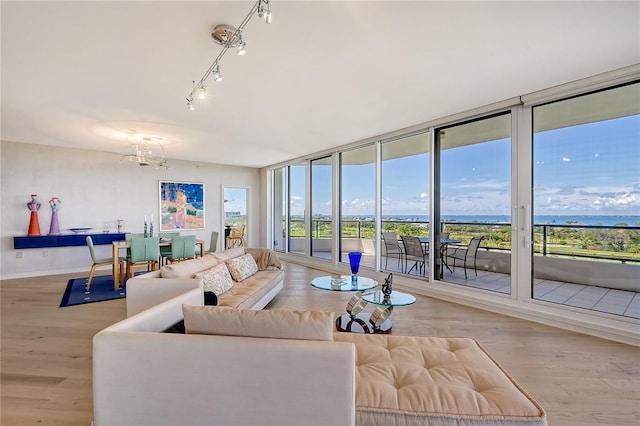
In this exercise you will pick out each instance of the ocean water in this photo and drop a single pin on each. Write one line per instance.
(606, 220)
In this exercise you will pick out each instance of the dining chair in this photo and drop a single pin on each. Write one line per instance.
(144, 251)
(236, 237)
(107, 261)
(166, 250)
(213, 245)
(183, 247)
(392, 248)
(414, 252)
(466, 254)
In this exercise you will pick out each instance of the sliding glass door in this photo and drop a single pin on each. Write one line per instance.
(586, 201)
(321, 207)
(358, 203)
(405, 200)
(473, 208)
(297, 230)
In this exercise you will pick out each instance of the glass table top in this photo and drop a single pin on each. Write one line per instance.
(396, 298)
(343, 283)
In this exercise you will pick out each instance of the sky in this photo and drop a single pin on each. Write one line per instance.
(588, 169)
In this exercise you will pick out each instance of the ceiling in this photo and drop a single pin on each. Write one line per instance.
(85, 74)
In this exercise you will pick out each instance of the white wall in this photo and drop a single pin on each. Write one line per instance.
(96, 187)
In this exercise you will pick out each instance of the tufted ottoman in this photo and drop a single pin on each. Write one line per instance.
(404, 380)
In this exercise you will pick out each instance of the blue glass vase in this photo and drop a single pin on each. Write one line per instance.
(354, 261)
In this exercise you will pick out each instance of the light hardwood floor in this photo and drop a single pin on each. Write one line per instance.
(46, 352)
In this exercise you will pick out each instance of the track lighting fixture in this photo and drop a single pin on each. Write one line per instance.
(228, 37)
(264, 12)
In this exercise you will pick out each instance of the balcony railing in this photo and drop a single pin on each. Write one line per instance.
(595, 242)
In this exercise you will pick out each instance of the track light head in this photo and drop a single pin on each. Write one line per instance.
(202, 92)
(217, 76)
(263, 11)
(265, 14)
(190, 104)
(242, 48)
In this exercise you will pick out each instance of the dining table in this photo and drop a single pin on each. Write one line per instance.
(120, 245)
(443, 247)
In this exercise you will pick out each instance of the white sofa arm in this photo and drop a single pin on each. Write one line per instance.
(143, 377)
(145, 291)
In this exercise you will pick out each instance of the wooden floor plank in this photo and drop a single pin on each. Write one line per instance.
(46, 352)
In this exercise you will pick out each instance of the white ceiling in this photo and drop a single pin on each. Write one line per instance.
(324, 73)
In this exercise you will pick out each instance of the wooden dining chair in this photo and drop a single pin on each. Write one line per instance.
(107, 261)
(165, 251)
(183, 247)
(213, 244)
(144, 251)
(236, 237)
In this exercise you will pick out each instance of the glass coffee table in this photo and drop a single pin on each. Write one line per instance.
(343, 283)
(355, 320)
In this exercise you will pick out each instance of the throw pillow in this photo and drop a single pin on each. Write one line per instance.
(189, 268)
(242, 267)
(223, 256)
(277, 324)
(216, 279)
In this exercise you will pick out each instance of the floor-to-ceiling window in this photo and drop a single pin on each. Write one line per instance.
(475, 203)
(405, 199)
(358, 203)
(297, 190)
(321, 207)
(551, 185)
(279, 208)
(586, 201)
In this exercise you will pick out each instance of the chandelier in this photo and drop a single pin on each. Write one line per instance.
(229, 38)
(142, 151)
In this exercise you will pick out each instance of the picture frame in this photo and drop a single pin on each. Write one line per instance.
(181, 205)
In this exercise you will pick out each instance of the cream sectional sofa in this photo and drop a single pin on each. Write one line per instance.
(271, 367)
(254, 292)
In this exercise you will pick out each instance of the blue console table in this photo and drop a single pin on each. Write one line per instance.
(64, 240)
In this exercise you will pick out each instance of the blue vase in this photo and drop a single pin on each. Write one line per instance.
(354, 261)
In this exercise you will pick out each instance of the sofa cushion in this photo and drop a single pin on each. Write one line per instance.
(242, 267)
(277, 324)
(216, 279)
(245, 294)
(411, 381)
(223, 256)
(188, 269)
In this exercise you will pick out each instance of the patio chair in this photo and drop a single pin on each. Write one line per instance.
(414, 252)
(465, 254)
(392, 248)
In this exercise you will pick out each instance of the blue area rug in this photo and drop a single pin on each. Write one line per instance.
(101, 290)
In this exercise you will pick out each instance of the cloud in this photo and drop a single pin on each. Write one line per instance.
(424, 195)
(487, 184)
(566, 159)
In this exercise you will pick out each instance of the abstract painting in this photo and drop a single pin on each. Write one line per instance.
(181, 206)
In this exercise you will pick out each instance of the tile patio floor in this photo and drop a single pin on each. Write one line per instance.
(597, 298)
